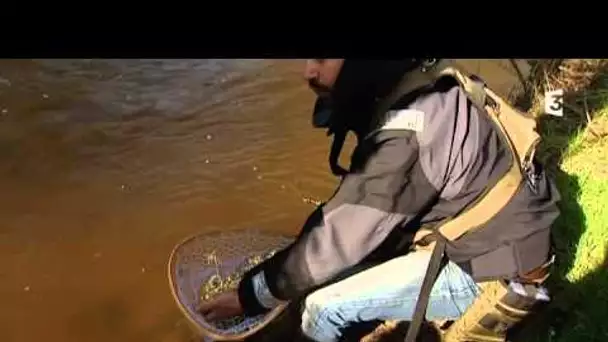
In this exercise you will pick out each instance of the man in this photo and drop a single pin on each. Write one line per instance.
(429, 157)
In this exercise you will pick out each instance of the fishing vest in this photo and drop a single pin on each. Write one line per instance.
(518, 130)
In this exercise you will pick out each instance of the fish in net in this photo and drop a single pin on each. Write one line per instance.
(206, 265)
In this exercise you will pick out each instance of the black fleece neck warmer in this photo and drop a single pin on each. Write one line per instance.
(358, 88)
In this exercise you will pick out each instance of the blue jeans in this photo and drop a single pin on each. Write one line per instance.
(388, 291)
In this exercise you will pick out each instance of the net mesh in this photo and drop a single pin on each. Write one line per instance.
(206, 265)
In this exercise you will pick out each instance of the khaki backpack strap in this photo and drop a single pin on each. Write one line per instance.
(517, 127)
(521, 137)
(474, 90)
(492, 201)
(521, 128)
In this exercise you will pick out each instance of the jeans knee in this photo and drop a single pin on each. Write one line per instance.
(315, 307)
(322, 319)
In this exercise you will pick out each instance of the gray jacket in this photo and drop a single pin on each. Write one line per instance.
(428, 159)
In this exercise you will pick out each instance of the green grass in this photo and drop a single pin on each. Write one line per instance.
(593, 198)
(578, 152)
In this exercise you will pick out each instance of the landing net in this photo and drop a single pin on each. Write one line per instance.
(205, 265)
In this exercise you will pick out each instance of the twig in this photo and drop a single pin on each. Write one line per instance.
(589, 128)
(548, 84)
(596, 94)
(586, 107)
(519, 75)
(575, 109)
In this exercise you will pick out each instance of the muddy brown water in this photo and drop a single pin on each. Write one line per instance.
(106, 164)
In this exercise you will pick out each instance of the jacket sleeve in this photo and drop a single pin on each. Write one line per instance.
(384, 189)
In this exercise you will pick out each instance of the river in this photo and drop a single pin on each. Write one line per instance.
(107, 164)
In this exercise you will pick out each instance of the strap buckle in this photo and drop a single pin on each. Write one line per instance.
(428, 64)
(538, 275)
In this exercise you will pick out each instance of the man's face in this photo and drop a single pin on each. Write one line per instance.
(321, 74)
